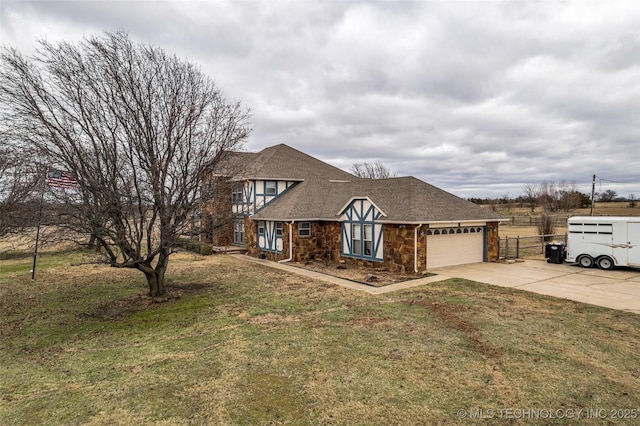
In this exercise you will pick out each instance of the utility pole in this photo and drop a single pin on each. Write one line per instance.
(593, 193)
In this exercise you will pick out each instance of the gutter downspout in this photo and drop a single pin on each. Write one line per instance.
(415, 248)
(290, 244)
(426, 247)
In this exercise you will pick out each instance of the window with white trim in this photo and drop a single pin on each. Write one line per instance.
(261, 227)
(238, 231)
(278, 229)
(304, 229)
(356, 238)
(271, 187)
(367, 239)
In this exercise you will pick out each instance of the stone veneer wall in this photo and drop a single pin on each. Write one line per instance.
(493, 242)
(399, 252)
(251, 236)
(216, 217)
(325, 244)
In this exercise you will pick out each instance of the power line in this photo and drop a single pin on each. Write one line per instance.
(615, 181)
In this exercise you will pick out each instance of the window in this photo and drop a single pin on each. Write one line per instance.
(236, 196)
(304, 229)
(271, 187)
(208, 189)
(367, 238)
(591, 228)
(261, 227)
(362, 237)
(356, 239)
(238, 231)
(363, 240)
(278, 229)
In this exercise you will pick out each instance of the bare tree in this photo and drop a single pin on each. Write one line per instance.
(546, 226)
(530, 197)
(554, 197)
(19, 178)
(607, 195)
(138, 129)
(375, 170)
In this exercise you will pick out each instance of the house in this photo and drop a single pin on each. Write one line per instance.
(284, 205)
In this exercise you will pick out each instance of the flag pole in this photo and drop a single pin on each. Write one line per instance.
(35, 251)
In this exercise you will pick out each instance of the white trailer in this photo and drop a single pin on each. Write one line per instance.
(605, 241)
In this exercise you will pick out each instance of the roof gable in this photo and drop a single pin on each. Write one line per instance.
(350, 203)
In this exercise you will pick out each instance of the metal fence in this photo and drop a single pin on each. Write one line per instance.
(517, 247)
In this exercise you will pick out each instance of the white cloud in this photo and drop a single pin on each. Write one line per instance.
(476, 97)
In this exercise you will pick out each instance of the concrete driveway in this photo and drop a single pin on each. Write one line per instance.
(617, 289)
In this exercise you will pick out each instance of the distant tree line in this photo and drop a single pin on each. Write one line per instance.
(554, 197)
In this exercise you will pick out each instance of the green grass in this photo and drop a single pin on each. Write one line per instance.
(244, 344)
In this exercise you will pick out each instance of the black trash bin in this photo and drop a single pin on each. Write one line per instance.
(555, 252)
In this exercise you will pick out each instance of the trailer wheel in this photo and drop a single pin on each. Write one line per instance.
(605, 263)
(585, 261)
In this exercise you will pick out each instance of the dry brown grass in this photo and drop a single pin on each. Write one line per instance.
(600, 209)
(244, 344)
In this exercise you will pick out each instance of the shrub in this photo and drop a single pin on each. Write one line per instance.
(199, 247)
(546, 226)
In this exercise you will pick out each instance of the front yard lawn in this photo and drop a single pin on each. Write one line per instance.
(243, 344)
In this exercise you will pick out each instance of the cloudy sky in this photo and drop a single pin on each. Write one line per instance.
(476, 97)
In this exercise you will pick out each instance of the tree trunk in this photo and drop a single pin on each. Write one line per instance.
(155, 283)
(155, 276)
(93, 243)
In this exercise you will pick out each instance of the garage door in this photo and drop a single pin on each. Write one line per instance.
(454, 246)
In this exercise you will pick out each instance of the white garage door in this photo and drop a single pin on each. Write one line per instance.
(446, 247)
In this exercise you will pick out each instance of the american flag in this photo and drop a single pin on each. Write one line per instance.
(57, 179)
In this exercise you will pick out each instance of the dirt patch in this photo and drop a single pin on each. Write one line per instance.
(447, 313)
(122, 308)
(491, 354)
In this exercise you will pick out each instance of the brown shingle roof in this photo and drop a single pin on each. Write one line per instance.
(281, 162)
(233, 162)
(402, 200)
(323, 190)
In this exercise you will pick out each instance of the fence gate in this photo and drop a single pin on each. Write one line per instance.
(517, 247)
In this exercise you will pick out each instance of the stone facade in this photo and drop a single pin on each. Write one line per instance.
(216, 216)
(399, 248)
(325, 240)
(493, 242)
